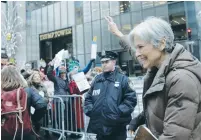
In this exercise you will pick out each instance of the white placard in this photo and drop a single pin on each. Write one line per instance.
(32, 110)
(81, 81)
(93, 50)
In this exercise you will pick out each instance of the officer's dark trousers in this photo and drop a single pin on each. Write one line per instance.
(119, 134)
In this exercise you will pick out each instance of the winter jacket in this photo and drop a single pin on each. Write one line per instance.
(60, 85)
(41, 88)
(124, 42)
(109, 103)
(172, 98)
(36, 101)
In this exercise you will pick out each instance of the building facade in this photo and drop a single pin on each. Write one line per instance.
(52, 26)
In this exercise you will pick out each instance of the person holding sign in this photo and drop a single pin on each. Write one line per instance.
(110, 101)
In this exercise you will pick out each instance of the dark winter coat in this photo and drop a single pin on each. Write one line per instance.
(60, 85)
(109, 103)
(36, 101)
(172, 98)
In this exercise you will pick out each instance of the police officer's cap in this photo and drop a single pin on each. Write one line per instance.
(108, 55)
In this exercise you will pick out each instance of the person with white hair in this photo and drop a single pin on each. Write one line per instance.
(172, 85)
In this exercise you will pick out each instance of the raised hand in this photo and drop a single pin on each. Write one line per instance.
(112, 27)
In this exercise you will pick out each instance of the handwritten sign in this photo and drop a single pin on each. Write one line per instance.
(81, 81)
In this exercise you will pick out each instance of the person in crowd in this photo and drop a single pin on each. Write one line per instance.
(76, 65)
(35, 82)
(109, 102)
(60, 82)
(60, 88)
(76, 104)
(172, 85)
(11, 80)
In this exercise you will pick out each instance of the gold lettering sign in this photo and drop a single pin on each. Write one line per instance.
(56, 34)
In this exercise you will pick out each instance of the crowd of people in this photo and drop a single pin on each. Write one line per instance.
(171, 92)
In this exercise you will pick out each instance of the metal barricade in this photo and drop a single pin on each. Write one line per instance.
(53, 121)
(65, 115)
(74, 117)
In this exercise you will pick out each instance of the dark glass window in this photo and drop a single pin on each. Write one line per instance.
(177, 19)
(79, 12)
(124, 6)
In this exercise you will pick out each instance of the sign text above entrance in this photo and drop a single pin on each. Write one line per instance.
(56, 34)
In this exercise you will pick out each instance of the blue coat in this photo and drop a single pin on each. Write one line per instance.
(109, 103)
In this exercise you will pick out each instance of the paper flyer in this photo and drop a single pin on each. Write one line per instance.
(81, 81)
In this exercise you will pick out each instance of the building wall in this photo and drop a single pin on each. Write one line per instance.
(198, 19)
(87, 20)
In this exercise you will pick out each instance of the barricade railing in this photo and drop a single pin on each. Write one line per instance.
(53, 121)
(65, 116)
(74, 117)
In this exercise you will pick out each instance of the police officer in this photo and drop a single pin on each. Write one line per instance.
(109, 102)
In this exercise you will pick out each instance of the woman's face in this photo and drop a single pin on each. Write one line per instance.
(37, 78)
(147, 55)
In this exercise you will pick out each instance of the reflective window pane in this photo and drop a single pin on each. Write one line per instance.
(105, 34)
(177, 20)
(74, 41)
(104, 5)
(82, 62)
(88, 58)
(125, 23)
(96, 32)
(87, 37)
(148, 12)
(95, 10)
(87, 11)
(64, 14)
(135, 5)
(136, 18)
(38, 21)
(114, 8)
(147, 4)
(57, 15)
(33, 22)
(79, 12)
(156, 3)
(71, 13)
(79, 39)
(50, 18)
(44, 19)
(162, 12)
(115, 40)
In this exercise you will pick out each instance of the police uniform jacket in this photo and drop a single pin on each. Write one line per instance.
(109, 103)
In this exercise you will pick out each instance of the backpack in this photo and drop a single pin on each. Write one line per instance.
(15, 116)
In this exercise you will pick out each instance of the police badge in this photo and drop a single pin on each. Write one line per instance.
(116, 84)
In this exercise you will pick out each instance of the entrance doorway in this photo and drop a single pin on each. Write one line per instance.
(51, 43)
